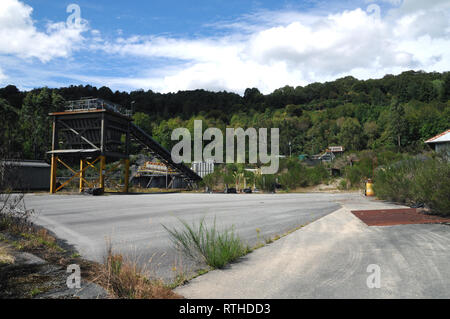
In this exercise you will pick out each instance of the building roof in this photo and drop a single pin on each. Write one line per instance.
(336, 149)
(441, 138)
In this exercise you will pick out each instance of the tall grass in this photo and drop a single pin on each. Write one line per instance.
(208, 244)
(125, 278)
(414, 181)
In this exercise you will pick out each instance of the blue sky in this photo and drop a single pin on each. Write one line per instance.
(218, 45)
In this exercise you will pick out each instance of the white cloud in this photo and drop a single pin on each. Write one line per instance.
(20, 37)
(266, 49)
(304, 49)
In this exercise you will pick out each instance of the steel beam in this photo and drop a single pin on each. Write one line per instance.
(82, 175)
(102, 171)
(53, 168)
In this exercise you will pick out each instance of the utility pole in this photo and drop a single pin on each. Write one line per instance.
(290, 150)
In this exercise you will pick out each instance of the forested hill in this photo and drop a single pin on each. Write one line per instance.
(395, 112)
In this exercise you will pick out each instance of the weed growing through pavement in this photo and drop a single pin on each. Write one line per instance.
(126, 278)
(208, 244)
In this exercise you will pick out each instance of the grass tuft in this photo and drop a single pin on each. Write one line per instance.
(5, 257)
(126, 279)
(208, 244)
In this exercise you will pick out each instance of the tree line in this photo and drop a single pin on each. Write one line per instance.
(396, 113)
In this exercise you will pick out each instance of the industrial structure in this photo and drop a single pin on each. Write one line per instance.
(157, 175)
(93, 133)
(328, 156)
(203, 168)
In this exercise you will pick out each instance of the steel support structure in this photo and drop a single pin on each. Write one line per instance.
(93, 130)
(81, 173)
(92, 138)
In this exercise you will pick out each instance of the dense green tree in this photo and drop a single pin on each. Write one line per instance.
(143, 120)
(398, 126)
(350, 134)
(446, 88)
(35, 126)
(371, 132)
(9, 146)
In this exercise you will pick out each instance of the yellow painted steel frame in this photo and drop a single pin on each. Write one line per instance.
(84, 165)
(82, 180)
(53, 175)
(79, 174)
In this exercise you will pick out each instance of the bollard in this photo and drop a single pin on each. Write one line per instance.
(369, 188)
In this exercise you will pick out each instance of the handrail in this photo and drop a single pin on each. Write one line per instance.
(161, 153)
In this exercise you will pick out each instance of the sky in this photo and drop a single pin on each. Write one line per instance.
(168, 45)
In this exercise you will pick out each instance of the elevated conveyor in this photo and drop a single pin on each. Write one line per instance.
(162, 154)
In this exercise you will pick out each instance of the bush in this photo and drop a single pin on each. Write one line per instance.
(316, 175)
(124, 278)
(14, 216)
(415, 181)
(266, 182)
(211, 180)
(216, 248)
(343, 185)
(360, 171)
(296, 176)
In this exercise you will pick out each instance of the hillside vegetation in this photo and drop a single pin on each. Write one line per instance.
(394, 113)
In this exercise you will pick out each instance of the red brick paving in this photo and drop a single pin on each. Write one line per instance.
(390, 217)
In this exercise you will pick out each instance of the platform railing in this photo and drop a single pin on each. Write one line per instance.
(96, 104)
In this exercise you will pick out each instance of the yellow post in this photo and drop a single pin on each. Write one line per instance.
(102, 172)
(369, 188)
(82, 175)
(54, 164)
(127, 175)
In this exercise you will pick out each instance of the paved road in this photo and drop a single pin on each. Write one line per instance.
(330, 257)
(133, 222)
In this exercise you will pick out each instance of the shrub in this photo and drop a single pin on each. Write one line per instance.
(360, 170)
(343, 185)
(295, 177)
(266, 182)
(14, 216)
(432, 186)
(415, 181)
(316, 175)
(216, 248)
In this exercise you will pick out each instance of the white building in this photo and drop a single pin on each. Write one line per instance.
(441, 143)
(203, 168)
